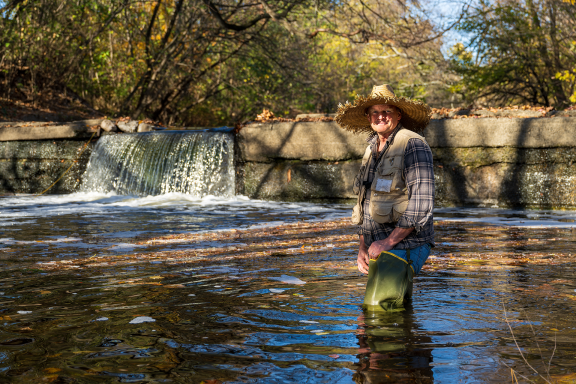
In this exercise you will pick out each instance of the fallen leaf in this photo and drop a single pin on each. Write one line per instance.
(334, 356)
(564, 379)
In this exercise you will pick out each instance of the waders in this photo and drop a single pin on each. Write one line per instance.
(390, 282)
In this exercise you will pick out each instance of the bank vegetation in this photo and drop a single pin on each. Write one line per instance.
(216, 62)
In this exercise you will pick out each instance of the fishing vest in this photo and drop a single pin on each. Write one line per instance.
(388, 191)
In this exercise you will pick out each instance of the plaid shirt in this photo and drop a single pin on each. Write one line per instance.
(419, 177)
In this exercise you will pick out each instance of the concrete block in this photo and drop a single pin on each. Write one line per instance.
(45, 149)
(519, 113)
(314, 115)
(480, 156)
(45, 131)
(31, 166)
(550, 186)
(298, 180)
(266, 142)
(34, 176)
(493, 132)
(299, 141)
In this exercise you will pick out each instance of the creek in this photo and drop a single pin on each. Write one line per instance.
(170, 287)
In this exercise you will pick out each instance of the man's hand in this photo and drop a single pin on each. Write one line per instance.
(377, 247)
(363, 261)
(363, 258)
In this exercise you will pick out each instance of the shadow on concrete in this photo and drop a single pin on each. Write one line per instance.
(26, 167)
(298, 169)
(453, 180)
(511, 193)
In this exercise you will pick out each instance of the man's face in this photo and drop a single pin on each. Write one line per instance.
(383, 118)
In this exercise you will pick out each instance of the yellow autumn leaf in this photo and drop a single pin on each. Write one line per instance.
(564, 379)
(52, 370)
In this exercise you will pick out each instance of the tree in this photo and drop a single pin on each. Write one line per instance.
(393, 42)
(518, 52)
(159, 59)
(215, 62)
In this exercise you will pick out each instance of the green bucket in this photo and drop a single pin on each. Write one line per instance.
(390, 283)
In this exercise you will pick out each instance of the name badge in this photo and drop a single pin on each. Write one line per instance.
(383, 185)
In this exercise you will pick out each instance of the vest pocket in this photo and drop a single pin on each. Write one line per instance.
(386, 208)
(381, 208)
(398, 210)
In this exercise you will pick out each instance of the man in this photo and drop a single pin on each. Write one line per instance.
(395, 184)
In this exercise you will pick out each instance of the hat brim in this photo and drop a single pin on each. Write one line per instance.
(352, 116)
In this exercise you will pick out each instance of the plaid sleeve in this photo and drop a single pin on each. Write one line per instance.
(419, 176)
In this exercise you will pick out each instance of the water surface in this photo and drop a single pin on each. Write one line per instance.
(207, 309)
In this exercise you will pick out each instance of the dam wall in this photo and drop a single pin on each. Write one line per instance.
(506, 162)
(34, 155)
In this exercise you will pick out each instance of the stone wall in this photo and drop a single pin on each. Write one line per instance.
(488, 161)
(31, 166)
(34, 155)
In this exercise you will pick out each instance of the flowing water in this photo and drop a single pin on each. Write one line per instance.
(285, 318)
(137, 281)
(154, 163)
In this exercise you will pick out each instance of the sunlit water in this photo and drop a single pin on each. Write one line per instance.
(289, 319)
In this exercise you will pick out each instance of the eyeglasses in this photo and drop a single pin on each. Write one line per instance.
(376, 114)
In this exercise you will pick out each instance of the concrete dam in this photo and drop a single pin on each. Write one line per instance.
(504, 162)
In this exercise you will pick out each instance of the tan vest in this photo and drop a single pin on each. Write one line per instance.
(388, 191)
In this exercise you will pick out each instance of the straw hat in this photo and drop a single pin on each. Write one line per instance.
(352, 117)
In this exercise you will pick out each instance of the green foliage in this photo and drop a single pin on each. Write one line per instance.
(204, 63)
(517, 52)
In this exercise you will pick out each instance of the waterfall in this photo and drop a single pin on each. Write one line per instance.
(154, 163)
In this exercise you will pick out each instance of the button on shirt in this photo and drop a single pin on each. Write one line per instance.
(419, 177)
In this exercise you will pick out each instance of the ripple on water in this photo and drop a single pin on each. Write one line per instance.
(242, 320)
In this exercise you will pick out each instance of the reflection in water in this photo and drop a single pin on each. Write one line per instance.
(390, 350)
(224, 307)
